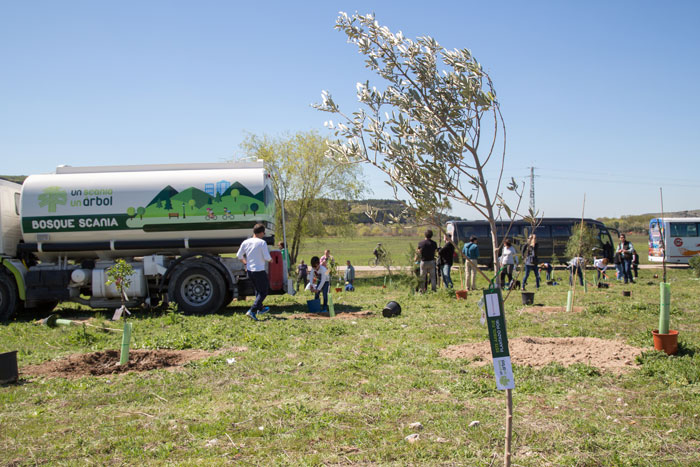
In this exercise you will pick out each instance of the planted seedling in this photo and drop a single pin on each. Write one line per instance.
(120, 275)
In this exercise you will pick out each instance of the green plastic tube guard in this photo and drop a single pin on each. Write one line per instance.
(569, 300)
(126, 339)
(665, 307)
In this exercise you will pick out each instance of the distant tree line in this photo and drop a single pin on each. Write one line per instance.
(640, 223)
(14, 178)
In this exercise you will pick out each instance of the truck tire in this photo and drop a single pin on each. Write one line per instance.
(9, 298)
(197, 289)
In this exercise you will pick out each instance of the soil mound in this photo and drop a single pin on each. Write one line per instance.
(609, 355)
(107, 363)
(338, 315)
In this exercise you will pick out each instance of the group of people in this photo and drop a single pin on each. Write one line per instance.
(428, 268)
(254, 254)
(626, 260)
(426, 264)
(317, 277)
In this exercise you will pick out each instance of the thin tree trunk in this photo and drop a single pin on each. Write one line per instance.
(509, 427)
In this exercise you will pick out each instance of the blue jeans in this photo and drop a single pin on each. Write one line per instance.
(548, 270)
(446, 275)
(261, 285)
(627, 270)
(533, 268)
(575, 271)
(324, 289)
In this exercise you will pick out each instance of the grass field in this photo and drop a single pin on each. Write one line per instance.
(344, 391)
(358, 249)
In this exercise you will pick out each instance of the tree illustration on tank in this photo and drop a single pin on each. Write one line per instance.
(255, 207)
(140, 211)
(52, 196)
(244, 208)
(131, 212)
(192, 203)
(234, 194)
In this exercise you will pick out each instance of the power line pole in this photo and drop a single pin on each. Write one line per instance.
(532, 189)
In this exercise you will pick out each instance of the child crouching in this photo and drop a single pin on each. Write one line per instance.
(319, 281)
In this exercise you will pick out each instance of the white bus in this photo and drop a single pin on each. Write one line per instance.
(680, 235)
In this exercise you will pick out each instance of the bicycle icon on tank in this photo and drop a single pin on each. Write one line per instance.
(227, 214)
(210, 214)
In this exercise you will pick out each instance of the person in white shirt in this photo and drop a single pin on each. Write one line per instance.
(319, 281)
(255, 255)
(576, 266)
(601, 264)
(508, 260)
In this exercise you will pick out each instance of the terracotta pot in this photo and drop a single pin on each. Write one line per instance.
(666, 342)
(461, 294)
(338, 289)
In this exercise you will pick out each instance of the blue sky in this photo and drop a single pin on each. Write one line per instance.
(601, 97)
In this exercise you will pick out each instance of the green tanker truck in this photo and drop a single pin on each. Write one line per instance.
(175, 224)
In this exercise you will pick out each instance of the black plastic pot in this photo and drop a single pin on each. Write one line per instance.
(528, 298)
(603, 285)
(8, 367)
(391, 309)
(626, 293)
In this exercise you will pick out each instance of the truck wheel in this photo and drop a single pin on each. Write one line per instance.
(228, 298)
(198, 289)
(9, 299)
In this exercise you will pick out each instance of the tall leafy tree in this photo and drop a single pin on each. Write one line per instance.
(583, 242)
(432, 129)
(306, 180)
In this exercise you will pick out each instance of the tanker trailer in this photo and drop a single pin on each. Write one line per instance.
(172, 223)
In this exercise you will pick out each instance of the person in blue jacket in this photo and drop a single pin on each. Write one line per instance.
(471, 255)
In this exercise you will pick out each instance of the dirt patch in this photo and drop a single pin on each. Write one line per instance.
(609, 355)
(338, 315)
(550, 309)
(107, 363)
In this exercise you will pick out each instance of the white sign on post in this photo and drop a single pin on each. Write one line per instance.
(499, 339)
